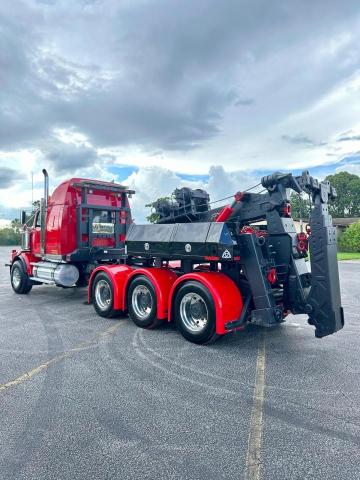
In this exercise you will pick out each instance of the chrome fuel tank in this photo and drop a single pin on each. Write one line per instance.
(62, 274)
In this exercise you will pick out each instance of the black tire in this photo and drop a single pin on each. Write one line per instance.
(19, 278)
(195, 314)
(102, 295)
(142, 303)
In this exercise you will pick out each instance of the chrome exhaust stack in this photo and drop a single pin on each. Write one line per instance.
(43, 211)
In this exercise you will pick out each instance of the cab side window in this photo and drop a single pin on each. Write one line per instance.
(37, 221)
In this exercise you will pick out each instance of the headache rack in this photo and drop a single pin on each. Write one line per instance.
(114, 229)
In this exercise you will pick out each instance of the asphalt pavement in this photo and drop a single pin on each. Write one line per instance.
(82, 397)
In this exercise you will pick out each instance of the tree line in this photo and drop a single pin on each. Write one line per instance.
(11, 235)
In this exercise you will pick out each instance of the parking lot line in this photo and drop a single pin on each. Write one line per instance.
(35, 371)
(253, 456)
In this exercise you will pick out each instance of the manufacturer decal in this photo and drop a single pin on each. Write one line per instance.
(107, 228)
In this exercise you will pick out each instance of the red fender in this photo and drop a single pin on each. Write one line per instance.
(27, 258)
(119, 275)
(162, 279)
(226, 295)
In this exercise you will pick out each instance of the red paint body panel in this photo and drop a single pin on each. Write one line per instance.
(28, 257)
(225, 213)
(227, 297)
(119, 275)
(163, 279)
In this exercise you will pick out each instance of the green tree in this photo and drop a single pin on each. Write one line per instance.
(300, 206)
(349, 240)
(16, 225)
(154, 217)
(12, 235)
(347, 203)
(9, 236)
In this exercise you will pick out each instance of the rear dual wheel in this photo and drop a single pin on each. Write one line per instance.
(142, 303)
(141, 300)
(102, 294)
(194, 312)
(194, 308)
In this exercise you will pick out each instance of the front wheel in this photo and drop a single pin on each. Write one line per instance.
(194, 311)
(20, 280)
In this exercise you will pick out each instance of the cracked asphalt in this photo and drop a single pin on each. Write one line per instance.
(83, 397)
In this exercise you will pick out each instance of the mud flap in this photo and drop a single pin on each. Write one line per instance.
(323, 304)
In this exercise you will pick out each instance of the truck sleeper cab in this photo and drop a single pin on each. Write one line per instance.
(82, 224)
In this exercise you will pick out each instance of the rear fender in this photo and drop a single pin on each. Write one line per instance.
(226, 295)
(163, 279)
(118, 275)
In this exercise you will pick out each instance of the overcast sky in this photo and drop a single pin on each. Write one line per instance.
(158, 93)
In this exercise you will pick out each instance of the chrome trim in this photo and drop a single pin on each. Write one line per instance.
(193, 312)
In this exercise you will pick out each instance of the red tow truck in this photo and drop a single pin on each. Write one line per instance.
(211, 271)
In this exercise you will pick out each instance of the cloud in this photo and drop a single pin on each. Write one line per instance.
(244, 102)
(349, 138)
(159, 78)
(301, 140)
(65, 157)
(149, 102)
(9, 177)
(4, 223)
(245, 85)
(8, 213)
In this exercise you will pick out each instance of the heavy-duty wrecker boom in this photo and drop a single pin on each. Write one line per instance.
(211, 271)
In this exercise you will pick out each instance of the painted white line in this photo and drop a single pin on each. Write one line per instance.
(253, 456)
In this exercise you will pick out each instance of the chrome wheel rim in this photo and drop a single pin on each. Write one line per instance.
(142, 302)
(103, 295)
(16, 277)
(193, 312)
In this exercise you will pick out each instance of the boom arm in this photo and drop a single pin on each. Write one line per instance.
(323, 302)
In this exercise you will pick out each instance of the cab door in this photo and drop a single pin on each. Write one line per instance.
(36, 234)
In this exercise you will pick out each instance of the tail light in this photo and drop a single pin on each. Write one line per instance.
(302, 242)
(286, 209)
(271, 276)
